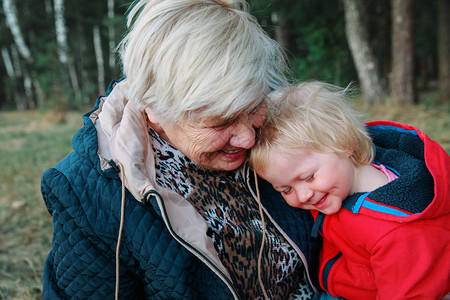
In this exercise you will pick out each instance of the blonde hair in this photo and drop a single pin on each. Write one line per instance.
(316, 116)
(198, 58)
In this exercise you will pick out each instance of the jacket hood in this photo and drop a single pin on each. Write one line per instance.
(423, 166)
(115, 138)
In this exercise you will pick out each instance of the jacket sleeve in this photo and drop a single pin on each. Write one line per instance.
(80, 263)
(413, 261)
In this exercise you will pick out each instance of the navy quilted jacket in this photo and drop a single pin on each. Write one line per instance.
(84, 199)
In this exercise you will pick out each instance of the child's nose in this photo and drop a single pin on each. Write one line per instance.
(304, 194)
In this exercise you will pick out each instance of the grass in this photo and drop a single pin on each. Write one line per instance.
(31, 143)
(429, 116)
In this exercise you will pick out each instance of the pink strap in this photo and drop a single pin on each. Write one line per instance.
(389, 174)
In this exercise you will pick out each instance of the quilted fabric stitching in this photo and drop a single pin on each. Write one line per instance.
(85, 202)
(171, 270)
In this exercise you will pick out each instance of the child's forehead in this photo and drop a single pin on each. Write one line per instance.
(289, 152)
(288, 157)
(289, 163)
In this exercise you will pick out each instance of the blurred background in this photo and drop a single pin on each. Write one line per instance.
(57, 56)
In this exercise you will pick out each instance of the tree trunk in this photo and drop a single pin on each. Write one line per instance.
(28, 85)
(365, 62)
(48, 6)
(37, 90)
(74, 80)
(8, 64)
(444, 50)
(111, 36)
(423, 65)
(16, 61)
(11, 20)
(402, 81)
(18, 92)
(281, 29)
(23, 100)
(99, 58)
(61, 32)
(63, 47)
(9, 84)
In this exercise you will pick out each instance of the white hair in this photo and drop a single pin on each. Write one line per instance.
(197, 58)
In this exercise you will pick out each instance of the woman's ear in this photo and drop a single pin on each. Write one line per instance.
(155, 124)
(151, 116)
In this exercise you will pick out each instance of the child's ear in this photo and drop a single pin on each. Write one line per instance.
(349, 152)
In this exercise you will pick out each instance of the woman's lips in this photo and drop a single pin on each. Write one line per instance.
(234, 154)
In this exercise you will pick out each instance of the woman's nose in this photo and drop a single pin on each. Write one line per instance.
(243, 135)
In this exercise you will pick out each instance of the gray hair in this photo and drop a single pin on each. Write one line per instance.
(197, 58)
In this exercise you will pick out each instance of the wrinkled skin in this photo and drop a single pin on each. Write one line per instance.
(213, 143)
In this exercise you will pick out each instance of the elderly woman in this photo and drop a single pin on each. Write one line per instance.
(156, 201)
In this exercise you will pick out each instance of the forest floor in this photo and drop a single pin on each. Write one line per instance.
(31, 142)
(430, 116)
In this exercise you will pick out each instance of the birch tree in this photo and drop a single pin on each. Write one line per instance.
(11, 79)
(365, 62)
(16, 62)
(444, 50)
(111, 35)
(26, 102)
(48, 6)
(11, 20)
(281, 29)
(402, 80)
(61, 31)
(18, 96)
(63, 47)
(8, 63)
(99, 58)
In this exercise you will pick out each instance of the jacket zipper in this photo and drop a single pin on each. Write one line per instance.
(189, 247)
(296, 248)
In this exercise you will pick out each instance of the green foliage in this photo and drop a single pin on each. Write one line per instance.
(324, 57)
(51, 78)
(318, 46)
(425, 35)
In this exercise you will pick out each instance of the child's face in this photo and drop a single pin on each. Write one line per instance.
(309, 179)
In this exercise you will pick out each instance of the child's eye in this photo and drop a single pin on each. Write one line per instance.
(286, 191)
(310, 178)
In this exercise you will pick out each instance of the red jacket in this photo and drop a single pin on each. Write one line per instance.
(394, 242)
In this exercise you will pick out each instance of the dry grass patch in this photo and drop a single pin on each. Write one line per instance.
(29, 145)
(31, 142)
(434, 120)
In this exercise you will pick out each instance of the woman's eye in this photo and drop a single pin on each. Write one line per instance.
(310, 178)
(219, 126)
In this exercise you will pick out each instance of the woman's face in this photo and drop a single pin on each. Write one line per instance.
(214, 143)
